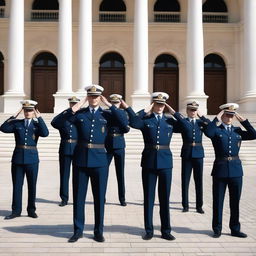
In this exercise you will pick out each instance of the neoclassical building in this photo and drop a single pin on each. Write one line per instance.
(191, 49)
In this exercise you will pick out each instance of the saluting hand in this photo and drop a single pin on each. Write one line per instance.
(148, 109)
(105, 101)
(239, 117)
(79, 104)
(199, 114)
(124, 104)
(170, 109)
(37, 113)
(220, 115)
(17, 114)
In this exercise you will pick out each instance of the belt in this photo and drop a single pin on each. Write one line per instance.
(70, 141)
(90, 145)
(193, 144)
(115, 134)
(228, 158)
(25, 147)
(157, 147)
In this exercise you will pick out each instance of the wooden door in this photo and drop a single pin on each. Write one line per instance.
(44, 85)
(167, 80)
(215, 88)
(113, 81)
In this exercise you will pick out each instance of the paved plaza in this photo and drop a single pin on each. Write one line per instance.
(48, 234)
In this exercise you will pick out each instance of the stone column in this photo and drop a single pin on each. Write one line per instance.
(195, 54)
(14, 91)
(64, 56)
(248, 102)
(140, 97)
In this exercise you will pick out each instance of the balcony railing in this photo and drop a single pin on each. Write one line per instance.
(166, 16)
(2, 9)
(215, 17)
(45, 15)
(112, 17)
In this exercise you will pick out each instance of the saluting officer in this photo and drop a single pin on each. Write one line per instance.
(115, 145)
(156, 161)
(90, 157)
(25, 155)
(227, 168)
(192, 153)
(68, 134)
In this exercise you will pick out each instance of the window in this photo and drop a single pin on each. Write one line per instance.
(45, 10)
(166, 61)
(45, 59)
(215, 11)
(112, 60)
(2, 8)
(214, 61)
(166, 11)
(112, 11)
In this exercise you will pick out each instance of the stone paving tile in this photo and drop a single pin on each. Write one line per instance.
(124, 226)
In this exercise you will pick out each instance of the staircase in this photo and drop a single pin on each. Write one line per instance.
(48, 147)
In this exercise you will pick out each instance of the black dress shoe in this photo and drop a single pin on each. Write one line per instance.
(63, 203)
(147, 236)
(238, 234)
(200, 210)
(99, 238)
(168, 237)
(185, 209)
(32, 215)
(75, 237)
(216, 234)
(123, 203)
(11, 216)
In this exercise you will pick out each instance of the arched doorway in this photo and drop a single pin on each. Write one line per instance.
(112, 11)
(166, 78)
(215, 11)
(45, 10)
(1, 74)
(215, 82)
(112, 74)
(167, 11)
(45, 5)
(2, 8)
(44, 81)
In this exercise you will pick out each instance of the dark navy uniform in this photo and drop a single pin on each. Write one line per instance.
(115, 146)
(156, 163)
(68, 134)
(90, 161)
(24, 159)
(227, 170)
(192, 154)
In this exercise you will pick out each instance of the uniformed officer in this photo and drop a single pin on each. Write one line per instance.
(156, 160)
(227, 168)
(115, 146)
(90, 158)
(25, 155)
(68, 134)
(192, 153)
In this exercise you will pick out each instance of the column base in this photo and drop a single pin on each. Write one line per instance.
(247, 104)
(202, 99)
(61, 101)
(140, 101)
(10, 102)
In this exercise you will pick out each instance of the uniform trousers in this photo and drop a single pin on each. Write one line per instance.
(119, 157)
(18, 173)
(187, 165)
(219, 188)
(65, 164)
(98, 177)
(149, 179)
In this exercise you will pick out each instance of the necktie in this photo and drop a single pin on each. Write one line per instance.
(158, 119)
(229, 129)
(26, 123)
(93, 111)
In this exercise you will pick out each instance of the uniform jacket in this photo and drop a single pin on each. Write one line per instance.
(153, 158)
(25, 136)
(228, 144)
(67, 132)
(92, 131)
(114, 128)
(191, 132)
